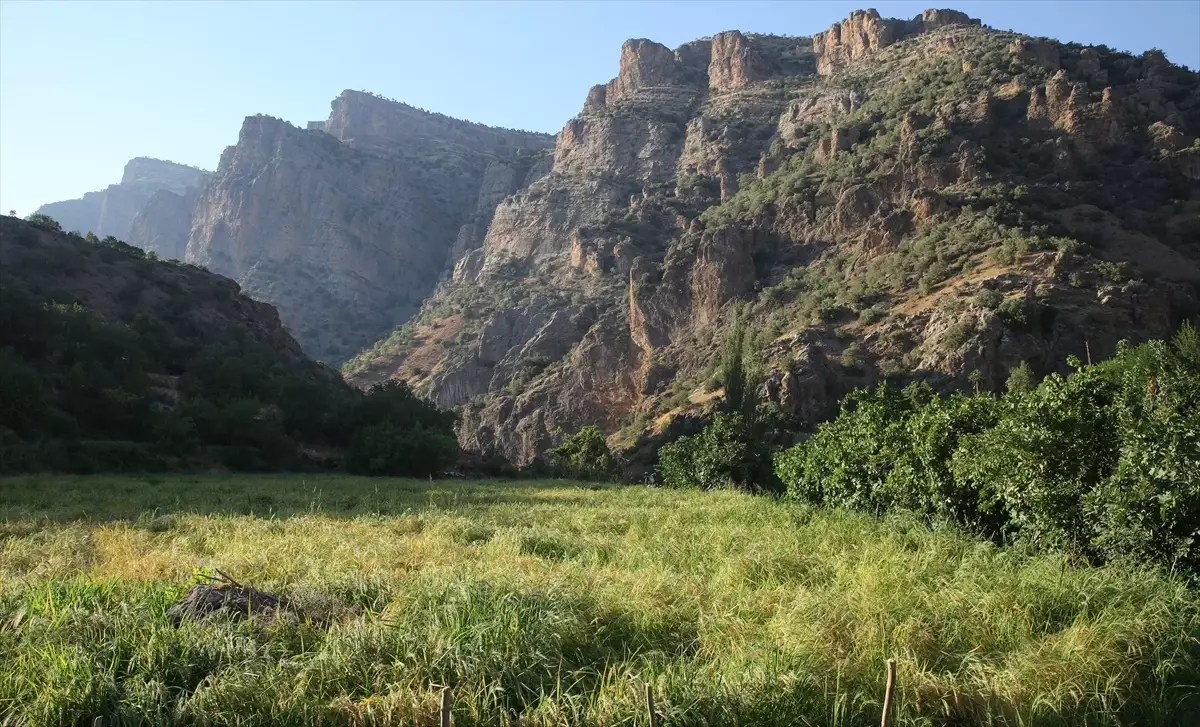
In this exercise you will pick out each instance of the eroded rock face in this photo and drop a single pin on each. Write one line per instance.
(644, 63)
(865, 32)
(1040, 52)
(538, 221)
(820, 107)
(347, 229)
(735, 62)
(621, 145)
(112, 210)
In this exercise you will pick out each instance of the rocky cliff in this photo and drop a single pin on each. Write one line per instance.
(347, 225)
(112, 210)
(923, 198)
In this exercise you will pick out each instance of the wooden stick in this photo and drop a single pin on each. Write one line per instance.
(889, 693)
(446, 702)
(650, 706)
(1088, 347)
(98, 722)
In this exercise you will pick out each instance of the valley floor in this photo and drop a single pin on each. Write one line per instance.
(554, 604)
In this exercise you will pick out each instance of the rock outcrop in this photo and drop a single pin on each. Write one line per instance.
(112, 210)
(735, 62)
(865, 32)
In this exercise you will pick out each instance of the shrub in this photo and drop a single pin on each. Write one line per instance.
(729, 451)
(1020, 379)
(874, 314)
(392, 449)
(958, 334)
(583, 455)
(844, 461)
(1018, 313)
(988, 298)
(853, 356)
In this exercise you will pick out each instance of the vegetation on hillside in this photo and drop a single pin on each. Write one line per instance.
(552, 604)
(113, 361)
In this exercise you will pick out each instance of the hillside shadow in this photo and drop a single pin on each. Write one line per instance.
(99, 499)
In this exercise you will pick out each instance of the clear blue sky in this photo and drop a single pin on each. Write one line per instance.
(85, 86)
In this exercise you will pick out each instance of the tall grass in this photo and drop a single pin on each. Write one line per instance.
(552, 604)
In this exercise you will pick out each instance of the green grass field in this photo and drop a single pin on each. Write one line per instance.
(554, 604)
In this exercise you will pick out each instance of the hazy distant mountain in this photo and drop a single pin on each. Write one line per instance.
(111, 211)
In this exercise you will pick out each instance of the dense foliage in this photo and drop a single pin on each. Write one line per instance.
(171, 372)
(732, 449)
(583, 455)
(1103, 463)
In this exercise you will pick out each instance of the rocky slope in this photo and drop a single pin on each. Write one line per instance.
(347, 225)
(923, 198)
(112, 211)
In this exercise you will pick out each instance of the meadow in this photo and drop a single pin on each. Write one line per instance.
(555, 603)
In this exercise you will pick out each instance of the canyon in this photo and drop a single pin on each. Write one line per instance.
(889, 199)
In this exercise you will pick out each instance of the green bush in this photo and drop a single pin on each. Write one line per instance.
(1018, 313)
(1103, 464)
(583, 455)
(844, 463)
(958, 334)
(1148, 508)
(988, 298)
(392, 449)
(874, 314)
(1020, 379)
(728, 451)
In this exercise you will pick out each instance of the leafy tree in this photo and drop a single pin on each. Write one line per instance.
(733, 448)
(583, 455)
(733, 368)
(1020, 379)
(387, 448)
(45, 222)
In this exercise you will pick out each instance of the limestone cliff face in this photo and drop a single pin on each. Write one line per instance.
(736, 62)
(865, 32)
(921, 198)
(112, 210)
(347, 227)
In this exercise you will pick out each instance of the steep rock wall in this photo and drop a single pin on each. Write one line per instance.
(346, 228)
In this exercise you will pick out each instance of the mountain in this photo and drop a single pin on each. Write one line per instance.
(888, 199)
(347, 225)
(112, 211)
